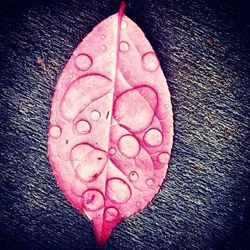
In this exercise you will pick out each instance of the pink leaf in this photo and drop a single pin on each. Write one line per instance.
(111, 127)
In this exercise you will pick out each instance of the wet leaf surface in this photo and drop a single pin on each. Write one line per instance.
(116, 164)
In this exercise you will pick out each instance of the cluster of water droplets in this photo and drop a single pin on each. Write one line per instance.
(117, 190)
(149, 60)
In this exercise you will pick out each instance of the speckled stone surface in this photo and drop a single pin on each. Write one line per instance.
(203, 47)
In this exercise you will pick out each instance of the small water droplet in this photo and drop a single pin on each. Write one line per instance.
(149, 182)
(112, 151)
(133, 176)
(95, 115)
(110, 214)
(92, 200)
(55, 131)
(129, 146)
(103, 36)
(124, 25)
(103, 47)
(138, 203)
(83, 62)
(153, 137)
(99, 28)
(124, 46)
(127, 75)
(150, 62)
(112, 54)
(83, 127)
(163, 157)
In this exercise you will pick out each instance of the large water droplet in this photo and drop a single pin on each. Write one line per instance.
(92, 200)
(124, 25)
(83, 62)
(153, 137)
(88, 161)
(150, 62)
(129, 146)
(163, 157)
(55, 131)
(124, 46)
(110, 214)
(83, 127)
(117, 190)
(133, 176)
(95, 115)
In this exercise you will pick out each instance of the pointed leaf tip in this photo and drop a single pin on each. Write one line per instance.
(101, 234)
(111, 125)
(103, 228)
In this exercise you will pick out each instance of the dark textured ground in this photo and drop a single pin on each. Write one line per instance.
(203, 47)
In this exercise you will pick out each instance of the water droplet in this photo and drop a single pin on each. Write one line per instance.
(112, 151)
(127, 75)
(110, 214)
(124, 25)
(163, 157)
(99, 28)
(134, 108)
(149, 182)
(88, 162)
(124, 46)
(95, 115)
(112, 54)
(129, 146)
(138, 203)
(83, 62)
(92, 200)
(133, 176)
(117, 190)
(83, 127)
(150, 62)
(153, 137)
(55, 131)
(103, 36)
(103, 47)
(111, 64)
